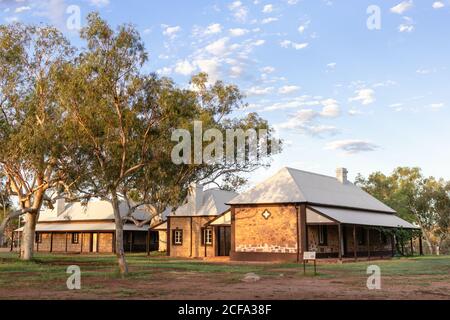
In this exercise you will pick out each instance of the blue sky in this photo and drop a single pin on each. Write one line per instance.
(338, 93)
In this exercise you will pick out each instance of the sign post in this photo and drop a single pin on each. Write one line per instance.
(307, 257)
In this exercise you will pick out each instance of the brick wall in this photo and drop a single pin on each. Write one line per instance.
(276, 234)
(105, 243)
(184, 250)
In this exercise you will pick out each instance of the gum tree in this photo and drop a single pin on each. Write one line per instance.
(122, 122)
(30, 120)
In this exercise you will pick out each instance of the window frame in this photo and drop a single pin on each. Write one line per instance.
(174, 237)
(205, 237)
(323, 235)
(75, 238)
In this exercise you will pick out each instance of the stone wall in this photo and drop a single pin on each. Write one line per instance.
(185, 250)
(105, 243)
(276, 232)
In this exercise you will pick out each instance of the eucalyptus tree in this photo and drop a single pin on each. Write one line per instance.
(31, 141)
(122, 121)
(424, 201)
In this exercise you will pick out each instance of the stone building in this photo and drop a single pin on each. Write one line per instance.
(297, 211)
(189, 230)
(281, 218)
(78, 228)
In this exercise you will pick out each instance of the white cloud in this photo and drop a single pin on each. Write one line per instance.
(211, 67)
(237, 32)
(259, 91)
(296, 46)
(437, 106)
(292, 2)
(365, 96)
(22, 9)
(303, 26)
(330, 109)
(307, 120)
(258, 43)
(402, 7)
(269, 20)
(331, 66)
(213, 28)
(438, 5)
(165, 71)
(218, 47)
(99, 3)
(169, 31)
(184, 68)
(268, 69)
(240, 12)
(288, 89)
(351, 146)
(407, 26)
(267, 8)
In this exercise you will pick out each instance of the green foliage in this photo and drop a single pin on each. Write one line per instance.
(418, 199)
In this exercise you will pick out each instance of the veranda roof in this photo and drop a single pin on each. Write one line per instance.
(364, 218)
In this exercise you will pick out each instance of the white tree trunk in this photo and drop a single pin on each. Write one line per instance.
(120, 252)
(28, 236)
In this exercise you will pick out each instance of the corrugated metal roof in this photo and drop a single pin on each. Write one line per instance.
(213, 203)
(94, 210)
(364, 218)
(75, 227)
(295, 186)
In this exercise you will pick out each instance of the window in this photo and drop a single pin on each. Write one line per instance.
(323, 235)
(207, 236)
(362, 236)
(38, 237)
(177, 237)
(75, 238)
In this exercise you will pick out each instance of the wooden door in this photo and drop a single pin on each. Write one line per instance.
(223, 241)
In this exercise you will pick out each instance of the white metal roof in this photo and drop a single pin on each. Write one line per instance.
(213, 203)
(364, 218)
(222, 220)
(160, 227)
(78, 227)
(295, 186)
(94, 210)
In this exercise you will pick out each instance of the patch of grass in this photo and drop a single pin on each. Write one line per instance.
(48, 271)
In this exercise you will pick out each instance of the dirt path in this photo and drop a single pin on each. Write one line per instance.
(220, 286)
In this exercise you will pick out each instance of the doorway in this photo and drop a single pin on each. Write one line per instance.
(94, 243)
(223, 241)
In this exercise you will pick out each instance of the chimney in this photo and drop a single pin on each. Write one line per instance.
(60, 206)
(196, 196)
(341, 175)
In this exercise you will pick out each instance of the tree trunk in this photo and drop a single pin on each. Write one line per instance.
(28, 235)
(120, 252)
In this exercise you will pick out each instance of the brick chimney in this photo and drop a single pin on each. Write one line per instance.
(196, 196)
(341, 175)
